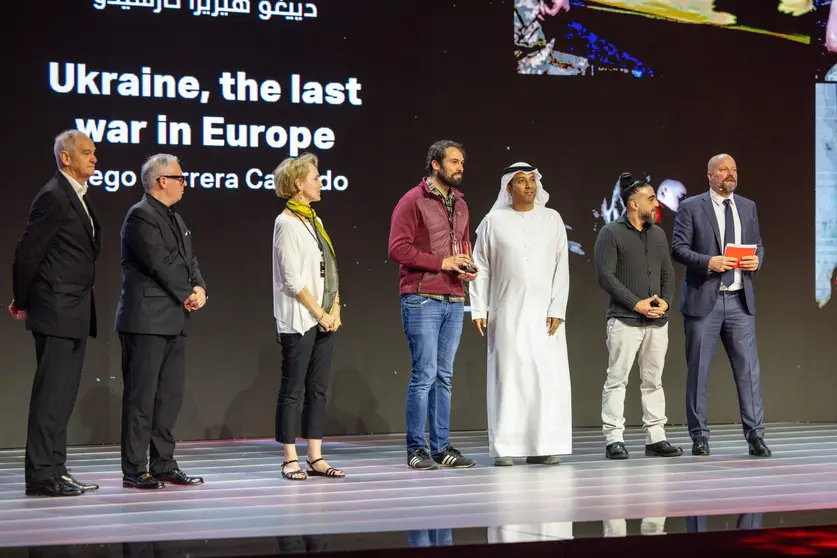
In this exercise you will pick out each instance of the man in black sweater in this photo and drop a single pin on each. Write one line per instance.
(633, 265)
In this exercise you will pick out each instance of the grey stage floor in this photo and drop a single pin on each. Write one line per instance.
(244, 495)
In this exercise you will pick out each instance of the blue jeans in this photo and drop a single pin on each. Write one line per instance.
(430, 537)
(433, 329)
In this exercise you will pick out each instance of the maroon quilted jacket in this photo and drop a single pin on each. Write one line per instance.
(421, 235)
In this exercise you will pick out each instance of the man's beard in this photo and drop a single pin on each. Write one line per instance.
(449, 181)
(648, 218)
(727, 187)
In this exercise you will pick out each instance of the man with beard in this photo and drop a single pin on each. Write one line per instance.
(520, 299)
(717, 299)
(429, 224)
(634, 267)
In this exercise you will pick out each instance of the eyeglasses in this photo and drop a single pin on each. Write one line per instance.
(181, 178)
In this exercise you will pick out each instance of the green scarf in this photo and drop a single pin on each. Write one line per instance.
(307, 212)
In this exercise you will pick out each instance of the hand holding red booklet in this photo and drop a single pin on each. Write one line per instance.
(738, 251)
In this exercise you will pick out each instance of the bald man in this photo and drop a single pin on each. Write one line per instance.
(717, 299)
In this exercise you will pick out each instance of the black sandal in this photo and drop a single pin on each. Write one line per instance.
(330, 472)
(297, 474)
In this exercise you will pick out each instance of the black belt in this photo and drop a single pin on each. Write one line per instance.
(732, 293)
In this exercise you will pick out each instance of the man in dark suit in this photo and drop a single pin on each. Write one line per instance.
(161, 286)
(53, 274)
(717, 299)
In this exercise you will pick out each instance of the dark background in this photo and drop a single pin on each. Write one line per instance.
(430, 70)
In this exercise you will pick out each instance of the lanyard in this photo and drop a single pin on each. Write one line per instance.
(312, 233)
(319, 242)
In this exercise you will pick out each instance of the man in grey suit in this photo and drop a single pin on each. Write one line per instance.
(717, 299)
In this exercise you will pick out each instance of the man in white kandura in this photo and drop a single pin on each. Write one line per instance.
(520, 298)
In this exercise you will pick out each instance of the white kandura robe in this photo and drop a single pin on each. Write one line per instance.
(523, 279)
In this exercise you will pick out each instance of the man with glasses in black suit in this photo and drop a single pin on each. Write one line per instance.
(161, 286)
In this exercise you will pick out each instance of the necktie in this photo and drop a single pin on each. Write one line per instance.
(728, 277)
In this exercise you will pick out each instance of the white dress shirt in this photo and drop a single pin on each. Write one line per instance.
(720, 208)
(81, 190)
(296, 265)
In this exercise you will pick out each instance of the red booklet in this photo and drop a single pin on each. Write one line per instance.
(738, 251)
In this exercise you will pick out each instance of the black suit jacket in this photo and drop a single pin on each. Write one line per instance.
(55, 263)
(158, 275)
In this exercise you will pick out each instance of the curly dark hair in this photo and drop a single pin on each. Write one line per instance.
(437, 153)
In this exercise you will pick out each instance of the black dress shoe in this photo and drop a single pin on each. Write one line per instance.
(53, 486)
(69, 479)
(143, 480)
(701, 446)
(616, 450)
(178, 477)
(662, 449)
(758, 447)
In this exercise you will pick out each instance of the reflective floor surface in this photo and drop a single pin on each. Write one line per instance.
(247, 509)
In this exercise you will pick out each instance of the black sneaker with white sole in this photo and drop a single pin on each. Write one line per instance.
(420, 459)
(452, 457)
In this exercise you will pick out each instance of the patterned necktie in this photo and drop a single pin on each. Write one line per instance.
(728, 277)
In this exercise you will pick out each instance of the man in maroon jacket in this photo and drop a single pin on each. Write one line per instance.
(430, 226)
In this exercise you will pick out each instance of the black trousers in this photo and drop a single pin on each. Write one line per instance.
(306, 371)
(301, 544)
(154, 375)
(54, 392)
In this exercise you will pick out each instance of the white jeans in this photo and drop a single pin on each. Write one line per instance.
(624, 343)
(649, 526)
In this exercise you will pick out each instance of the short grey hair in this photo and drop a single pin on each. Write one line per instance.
(65, 141)
(153, 167)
